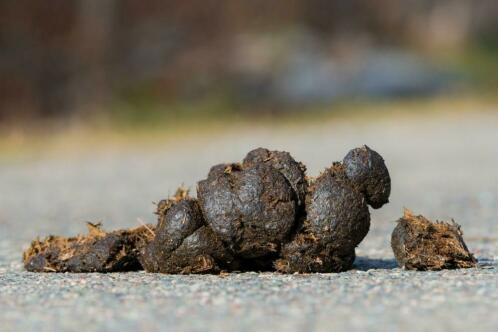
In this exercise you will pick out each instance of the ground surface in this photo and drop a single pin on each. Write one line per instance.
(442, 167)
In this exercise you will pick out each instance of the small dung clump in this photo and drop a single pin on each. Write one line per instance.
(98, 251)
(420, 244)
(307, 254)
(337, 220)
(182, 243)
(252, 207)
(293, 171)
(337, 211)
(367, 170)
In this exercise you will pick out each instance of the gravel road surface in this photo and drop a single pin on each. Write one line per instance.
(443, 167)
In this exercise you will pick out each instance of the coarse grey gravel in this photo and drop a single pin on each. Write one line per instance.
(443, 167)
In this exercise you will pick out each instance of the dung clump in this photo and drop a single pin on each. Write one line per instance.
(420, 244)
(251, 207)
(98, 251)
(337, 220)
(307, 254)
(182, 243)
(367, 170)
(293, 171)
(337, 211)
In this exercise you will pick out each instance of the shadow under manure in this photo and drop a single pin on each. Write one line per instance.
(366, 263)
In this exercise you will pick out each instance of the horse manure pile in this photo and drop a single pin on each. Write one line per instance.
(262, 214)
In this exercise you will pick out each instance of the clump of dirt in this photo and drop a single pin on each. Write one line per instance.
(251, 207)
(420, 244)
(98, 251)
(182, 243)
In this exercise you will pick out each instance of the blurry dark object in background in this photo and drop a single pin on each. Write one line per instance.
(63, 58)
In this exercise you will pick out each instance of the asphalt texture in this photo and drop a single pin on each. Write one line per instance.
(443, 167)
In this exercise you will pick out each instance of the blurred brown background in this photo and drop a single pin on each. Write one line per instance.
(132, 60)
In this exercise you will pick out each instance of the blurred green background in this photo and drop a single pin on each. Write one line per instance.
(136, 65)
